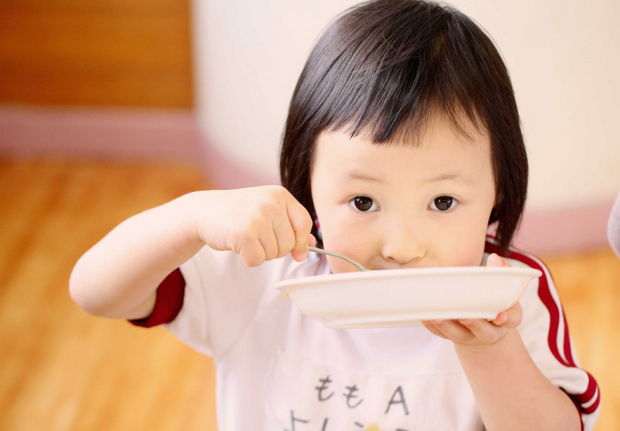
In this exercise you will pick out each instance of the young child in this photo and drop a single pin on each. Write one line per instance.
(403, 140)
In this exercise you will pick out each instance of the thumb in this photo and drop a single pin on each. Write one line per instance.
(496, 261)
(300, 253)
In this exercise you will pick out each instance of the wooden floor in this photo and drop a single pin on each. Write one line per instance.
(61, 369)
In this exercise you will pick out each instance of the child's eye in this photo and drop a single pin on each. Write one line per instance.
(363, 204)
(443, 203)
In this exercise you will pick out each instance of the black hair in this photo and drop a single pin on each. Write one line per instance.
(386, 67)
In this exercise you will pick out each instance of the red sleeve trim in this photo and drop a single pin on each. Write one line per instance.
(588, 401)
(169, 302)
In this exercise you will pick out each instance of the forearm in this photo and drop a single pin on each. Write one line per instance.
(511, 392)
(119, 275)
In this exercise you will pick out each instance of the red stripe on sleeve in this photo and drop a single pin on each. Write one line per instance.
(589, 393)
(567, 347)
(595, 404)
(169, 302)
(544, 293)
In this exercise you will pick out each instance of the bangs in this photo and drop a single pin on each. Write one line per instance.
(387, 69)
(386, 75)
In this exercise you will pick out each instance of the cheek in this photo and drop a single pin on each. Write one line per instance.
(468, 256)
(345, 245)
(469, 249)
(349, 241)
(468, 237)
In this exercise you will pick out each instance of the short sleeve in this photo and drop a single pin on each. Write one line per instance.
(223, 296)
(168, 303)
(544, 331)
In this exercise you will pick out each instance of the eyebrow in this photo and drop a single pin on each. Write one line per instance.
(361, 177)
(457, 177)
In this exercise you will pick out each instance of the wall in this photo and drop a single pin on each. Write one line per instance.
(563, 57)
(97, 79)
(248, 56)
(130, 53)
(564, 60)
(113, 78)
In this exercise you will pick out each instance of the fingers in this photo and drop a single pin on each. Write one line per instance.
(510, 318)
(491, 332)
(479, 332)
(276, 225)
(284, 234)
(428, 325)
(250, 249)
(452, 330)
(467, 332)
(270, 243)
(301, 223)
(486, 332)
(259, 242)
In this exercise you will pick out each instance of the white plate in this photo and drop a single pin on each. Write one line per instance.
(404, 297)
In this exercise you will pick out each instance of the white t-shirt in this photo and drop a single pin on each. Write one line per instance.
(278, 369)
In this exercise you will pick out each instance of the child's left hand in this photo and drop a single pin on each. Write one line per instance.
(478, 334)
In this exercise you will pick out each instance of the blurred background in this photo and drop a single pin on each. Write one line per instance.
(111, 107)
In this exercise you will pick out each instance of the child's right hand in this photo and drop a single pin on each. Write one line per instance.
(258, 223)
(118, 277)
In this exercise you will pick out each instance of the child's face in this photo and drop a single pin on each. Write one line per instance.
(397, 206)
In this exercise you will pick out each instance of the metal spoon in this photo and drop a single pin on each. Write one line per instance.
(351, 261)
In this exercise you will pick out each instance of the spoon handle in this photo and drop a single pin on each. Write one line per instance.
(351, 261)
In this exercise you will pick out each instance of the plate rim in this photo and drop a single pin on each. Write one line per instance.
(399, 273)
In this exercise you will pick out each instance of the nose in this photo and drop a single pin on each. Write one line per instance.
(403, 245)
